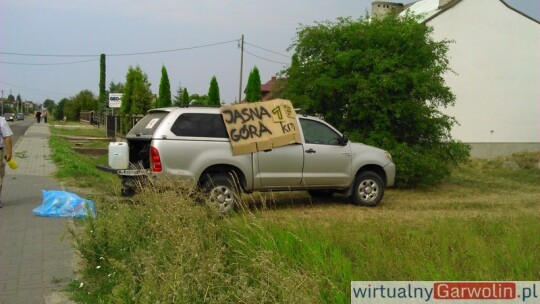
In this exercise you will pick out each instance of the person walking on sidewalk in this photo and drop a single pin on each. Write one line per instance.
(6, 148)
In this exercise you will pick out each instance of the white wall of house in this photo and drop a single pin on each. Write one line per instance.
(496, 59)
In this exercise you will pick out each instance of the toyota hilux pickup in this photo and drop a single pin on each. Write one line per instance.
(193, 143)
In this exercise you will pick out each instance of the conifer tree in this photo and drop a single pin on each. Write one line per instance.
(185, 97)
(102, 98)
(213, 93)
(164, 98)
(253, 87)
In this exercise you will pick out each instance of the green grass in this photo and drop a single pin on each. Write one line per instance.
(79, 170)
(162, 247)
(77, 130)
(481, 224)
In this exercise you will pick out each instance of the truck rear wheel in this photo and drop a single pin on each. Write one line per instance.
(128, 192)
(221, 193)
(368, 189)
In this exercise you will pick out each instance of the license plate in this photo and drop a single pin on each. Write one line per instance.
(132, 172)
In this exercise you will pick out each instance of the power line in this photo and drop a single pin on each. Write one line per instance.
(274, 52)
(174, 50)
(273, 61)
(120, 54)
(34, 90)
(133, 54)
(59, 63)
(45, 55)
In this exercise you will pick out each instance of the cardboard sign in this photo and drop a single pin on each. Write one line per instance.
(261, 125)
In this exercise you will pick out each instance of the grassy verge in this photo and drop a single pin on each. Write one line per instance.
(78, 170)
(481, 224)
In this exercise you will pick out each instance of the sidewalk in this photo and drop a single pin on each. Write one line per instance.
(35, 252)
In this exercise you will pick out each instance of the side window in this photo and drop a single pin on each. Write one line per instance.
(318, 133)
(199, 125)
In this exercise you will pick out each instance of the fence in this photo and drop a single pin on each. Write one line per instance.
(111, 123)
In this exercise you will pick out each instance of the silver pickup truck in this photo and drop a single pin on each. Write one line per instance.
(193, 143)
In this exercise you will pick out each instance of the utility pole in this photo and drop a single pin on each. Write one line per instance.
(241, 68)
(2, 102)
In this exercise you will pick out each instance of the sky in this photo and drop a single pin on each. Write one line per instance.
(50, 49)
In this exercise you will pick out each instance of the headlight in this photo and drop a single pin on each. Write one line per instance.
(388, 155)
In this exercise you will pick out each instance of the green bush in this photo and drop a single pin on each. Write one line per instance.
(381, 82)
(426, 165)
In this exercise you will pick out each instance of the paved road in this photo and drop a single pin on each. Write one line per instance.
(36, 257)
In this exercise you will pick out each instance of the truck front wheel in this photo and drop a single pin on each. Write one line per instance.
(221, 193)
(368, 189)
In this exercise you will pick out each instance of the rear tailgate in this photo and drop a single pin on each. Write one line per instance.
(140, 137)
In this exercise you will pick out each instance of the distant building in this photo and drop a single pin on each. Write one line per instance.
(496, 59)
(379, 9)
(272, 88)
(266, 88)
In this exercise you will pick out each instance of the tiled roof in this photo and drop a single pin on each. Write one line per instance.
(267, 87)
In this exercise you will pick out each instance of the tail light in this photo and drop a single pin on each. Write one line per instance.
(155, 160)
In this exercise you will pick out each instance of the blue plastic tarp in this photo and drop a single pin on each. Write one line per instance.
(64, 204)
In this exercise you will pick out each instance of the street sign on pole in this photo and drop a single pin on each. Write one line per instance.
(115, 100)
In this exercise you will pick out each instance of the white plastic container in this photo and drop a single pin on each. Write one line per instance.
(118, 155)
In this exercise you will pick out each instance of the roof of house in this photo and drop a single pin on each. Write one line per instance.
(267, 87)
(427, 8)
(430, 9)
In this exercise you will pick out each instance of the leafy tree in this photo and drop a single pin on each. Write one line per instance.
(72, 109)
(253, 87)
(164, 98)
(49, 105)
(213, 93)
(137, 96)
(278, 88)
(382, 82)
(84, 100)
(116, 87)
(102, 98)
(11, 98)
(8, 108)
(59, 111)
(199, 100)
(185, 97)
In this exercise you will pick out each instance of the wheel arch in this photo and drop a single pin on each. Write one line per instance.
(238, 176)
(373, 168)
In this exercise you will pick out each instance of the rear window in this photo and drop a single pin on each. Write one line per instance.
(200, 125)
(148, 124)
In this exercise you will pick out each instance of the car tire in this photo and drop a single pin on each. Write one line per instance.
(221, 193)
(368, 189)
(127, 192)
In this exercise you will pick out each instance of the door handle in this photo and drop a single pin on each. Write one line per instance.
(311, 151)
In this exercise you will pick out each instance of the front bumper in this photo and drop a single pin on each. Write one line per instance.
(390, 170)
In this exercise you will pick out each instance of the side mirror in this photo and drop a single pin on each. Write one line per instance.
(343, 140)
